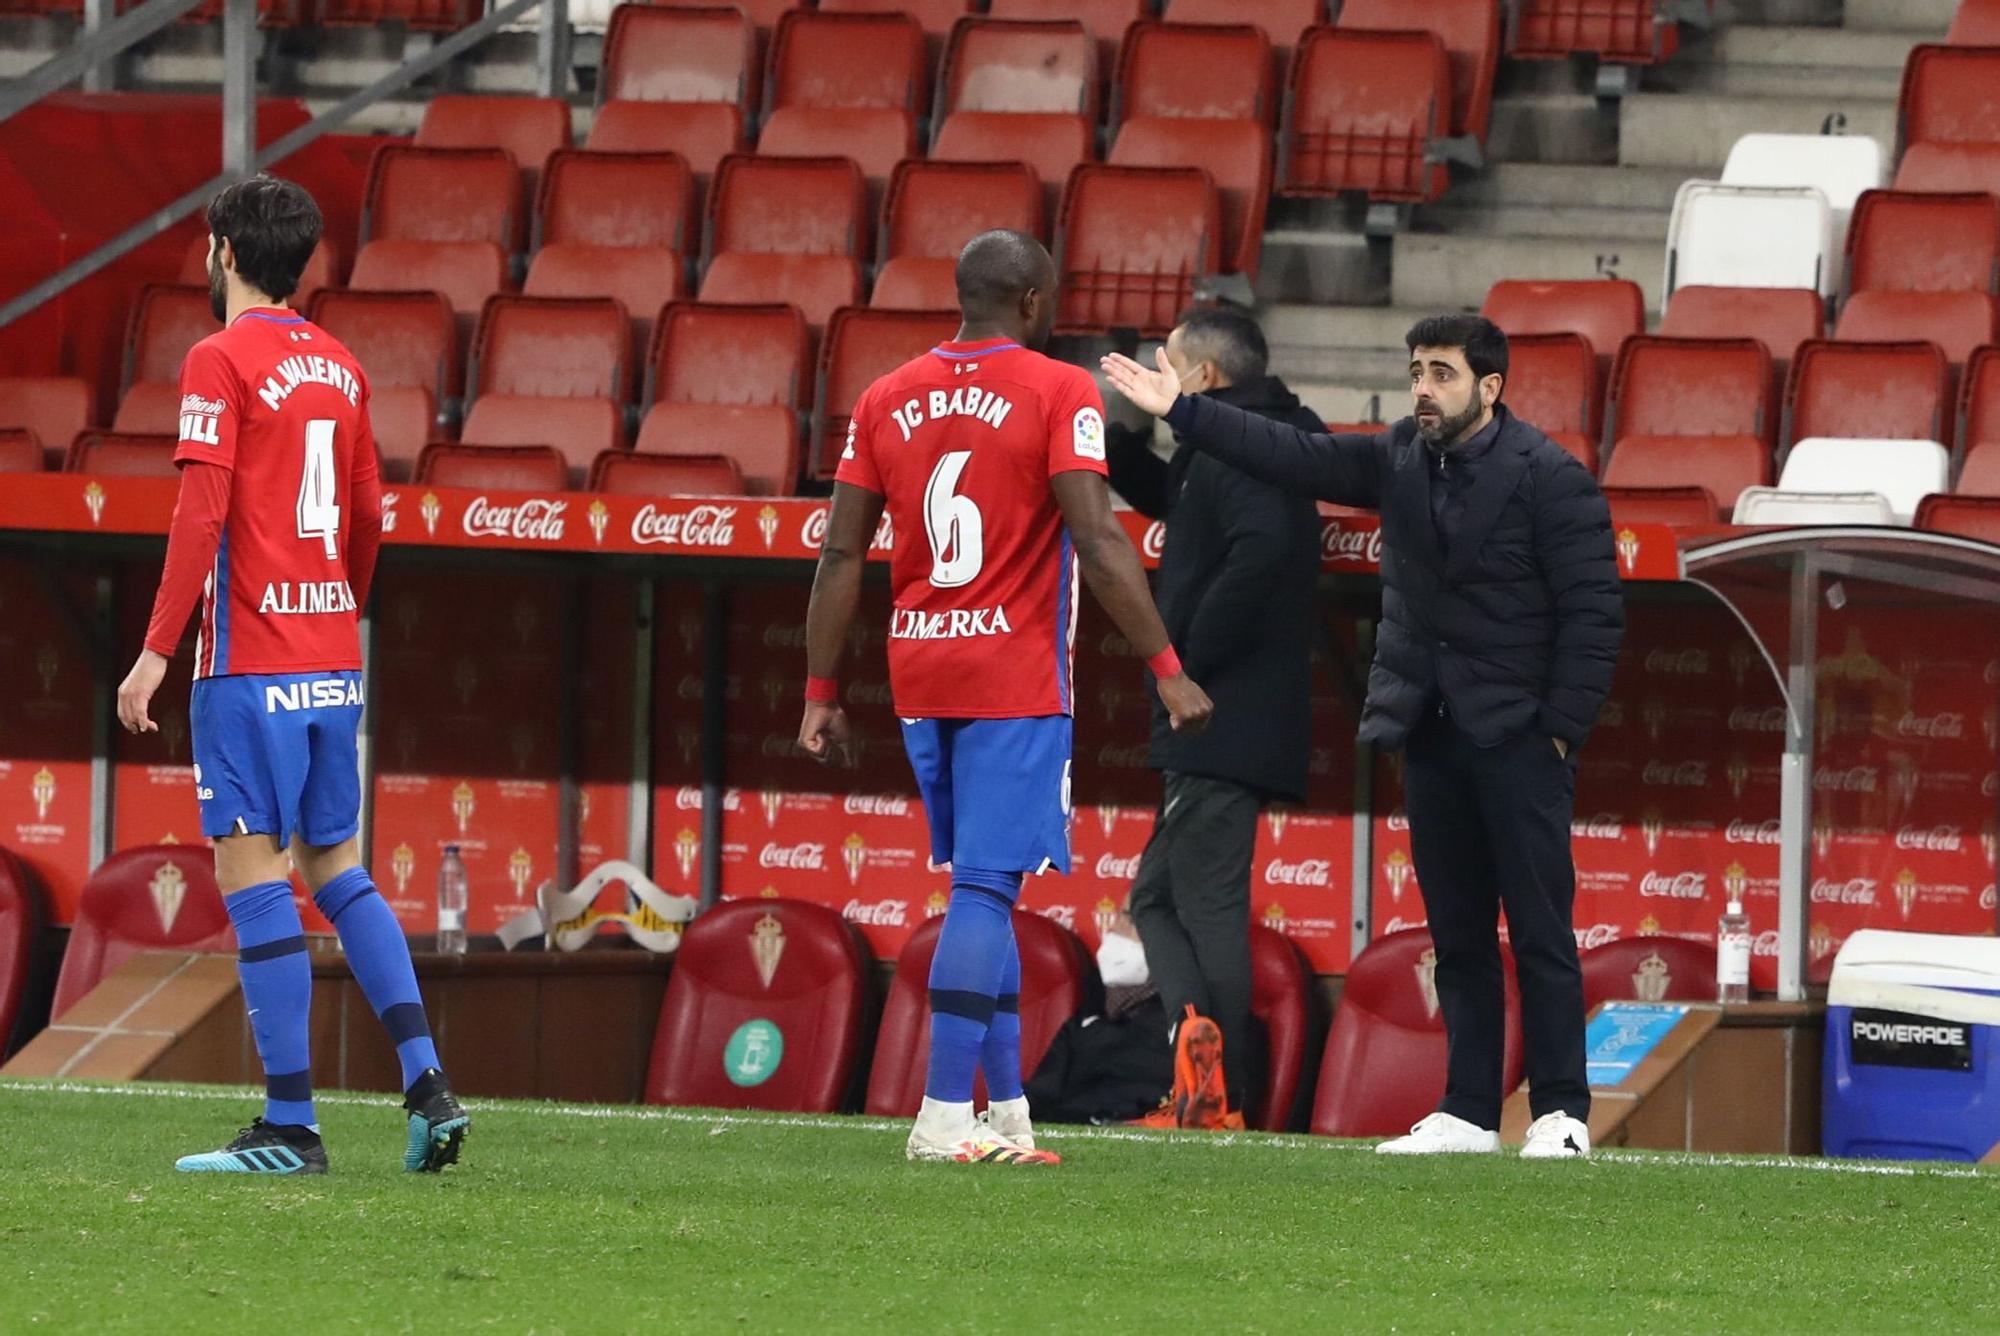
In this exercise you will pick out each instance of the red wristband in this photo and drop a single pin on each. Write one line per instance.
(822, 691)
(1165, 664)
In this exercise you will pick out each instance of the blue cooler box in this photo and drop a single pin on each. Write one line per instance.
(1913, 1047)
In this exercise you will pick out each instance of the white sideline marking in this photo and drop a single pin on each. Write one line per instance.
(719, 1120)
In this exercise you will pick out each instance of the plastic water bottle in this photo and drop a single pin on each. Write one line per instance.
(1732, 955)
(451, 903)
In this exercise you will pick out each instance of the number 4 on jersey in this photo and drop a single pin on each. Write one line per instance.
(319, 513)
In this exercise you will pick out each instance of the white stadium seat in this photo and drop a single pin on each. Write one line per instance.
(1772, 505)
(1841, 166)
(1750, 237)
(1824, 476)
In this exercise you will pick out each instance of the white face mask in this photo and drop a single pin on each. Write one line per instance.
(1121, 961)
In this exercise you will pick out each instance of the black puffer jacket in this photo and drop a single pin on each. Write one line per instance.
(1236, 592)
(1519, 629)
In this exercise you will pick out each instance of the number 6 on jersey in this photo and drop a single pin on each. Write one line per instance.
(957, 530)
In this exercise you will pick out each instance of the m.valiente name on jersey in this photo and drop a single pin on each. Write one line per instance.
(307, 597)
(305, 369)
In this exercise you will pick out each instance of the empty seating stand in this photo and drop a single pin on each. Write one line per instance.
(1957, 322)
(1840, 167)
(1633, 32)
(528, 128)
(1779, 318)
(444, 195)
(730, 380)
(1902, 241)
(1692, 413)
(1683, 506)
(1949, 96)
(514, 468)
(1849, 480)
(929, 212)
(553, 347)
(1965, 516)
(1362, 113)
(1885, 390)
(1470, 33)
(1132, 246)
(1605, 311)
(669, 53)
(579, 429)
(786, 230)
(1283, 21)
(1552, 382)
(166, 321)
(848, 85)
(1023, 66)
(1750, 236)
(861, 345)
(627, 473)
(122, 455)
(1235, 155)
(1051, 144)
(1950, 167)
(20, 451)
(52, 409)
(702, 132)
(157, 898)
(1978, 415)
(408, 342)
(615, 225)
(1185, 71)
(1105, 20)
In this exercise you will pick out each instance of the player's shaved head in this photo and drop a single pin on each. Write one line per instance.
(1006, 282)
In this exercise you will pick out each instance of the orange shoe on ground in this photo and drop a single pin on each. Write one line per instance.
(1200, 1099)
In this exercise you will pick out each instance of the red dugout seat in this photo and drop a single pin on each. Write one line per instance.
(408, 343)
(1779, 318)
(669, 53)
(1967, 516)
(553, 347)
(150, 407)
(1237, 157)
(463, 273)
(1721, 466)
(1105, 20)
(1957, 322)
(444, 195)
(1197, 72)
(1019, 66)
(514, 468)
(403, 419)
(1897, 391)
(1635, 32)
(22, 914)
(20, 452)
(1648, 969)
(1977, 23)
(1951, 95)
(166, 321)
(1902, 241)
(642, 279)
(1979, 401)
(159, 898)
(1281, 999)
(1662, 505)
(1051, 145)
(818, 285)
(1693, 387)
(1949, 168)
(1361, 112)
(614, 225)
(932, 209)
(1057, 977)
(729, 355)
(786, 229)
(528, 128)
(1384, 1066)
(1552, 383)
(821, 58)
(1605, 311)
(760, 440)
(122, 455)
(1470, 31)
(581, 429)
(704, 133)
(1132, 244)
(861, 345)
(763, 1010)
(627, 474)
(936, 16)
(876, 139)
(52, 409)
(1283, 21)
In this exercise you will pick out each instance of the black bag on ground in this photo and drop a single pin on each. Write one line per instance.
(1105, 1069)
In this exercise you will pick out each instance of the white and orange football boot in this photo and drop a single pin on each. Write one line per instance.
(948, 1134)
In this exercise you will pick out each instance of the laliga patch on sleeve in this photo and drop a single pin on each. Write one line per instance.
(1089, 434)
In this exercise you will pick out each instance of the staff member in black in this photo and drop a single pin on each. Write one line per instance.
(1236, 592)
(1501, 623)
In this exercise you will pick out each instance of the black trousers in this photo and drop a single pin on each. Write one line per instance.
(1490, 826)
(1191, 904)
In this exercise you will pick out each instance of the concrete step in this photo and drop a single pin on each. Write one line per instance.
(1318, 263)
(1450, 272)
(1787, 62)
(1928, 18)
(1556, 127)
(1825, 13)
(1696, 130)
(1367, 329)
(1513, 199)
(1351, 403)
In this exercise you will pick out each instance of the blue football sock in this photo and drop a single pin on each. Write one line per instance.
(965, 977)
(1000, 1057)
(277, 989)
(379, 955)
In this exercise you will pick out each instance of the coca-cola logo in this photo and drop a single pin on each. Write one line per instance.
(1398, 924)
(1602, 826)
(1752, 832)
(1596, 935)
(1677, 886)
(875, 804)
(1765, 943)
(1112, 868)
(1063, 914)
(1748, 719)
(1989, 898)
(1675, 774)
(813, 532)
(687, 798)
(877, 913)
(1154, 541)
(1853, 891)
(697, 526)
(1305, 872)
(1950, 724)
(1341, 544)
(803, 857)
(536, 520)
(1854, 779)
(390, 500)
(1689, 662)
(1399, 820)
(1932, 839)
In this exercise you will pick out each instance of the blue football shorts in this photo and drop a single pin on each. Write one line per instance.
(995, 791)
(275, 755)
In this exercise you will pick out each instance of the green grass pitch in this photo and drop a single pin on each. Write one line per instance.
(584, 1219)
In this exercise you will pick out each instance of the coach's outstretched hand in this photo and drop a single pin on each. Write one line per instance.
(135, 694)
(825, 735)
(1153, 391)
(1188, 706)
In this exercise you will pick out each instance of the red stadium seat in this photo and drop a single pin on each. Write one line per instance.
(444, 194)
(1957, 322)
(1195, 71)
(932, 209)
(1648, 969)
(662, 53)
(936, 16)
(704, 133)
(403, 419)
(1977, 23)
(1903, 241)
(763, 1010)
(915, 283)
(166, 321)
(818, 285)
(22, 914)
(623, 473)
(821, 58)
(322, 270)
(1552, 382)
(1283, 21)
(640, 278)
(1470, 31)
(875, 138)
(1950, 168)
(1693, 387)
(1723, 465)
(1281, 987)
(1237, 157)
(1979, 401)
(514, 468)
(1361, 113)
(20, 451)
(464, 273)
(861, 345)
(1019, 66)
(1051, 145)
(159, 898)
(1662, 505)
(419, 15)
(553, 347)
(580, 429)
(1779, 318)
(762, 440)
(52, 409)
(151, 407)
(1635, 32)
(764, 14)
(1057, 978)
(1131, 245)
(1895, 391)
(1606, 311)
(529, 128)
(729, 355)
(1980, 474)
(401, 339)
(1105, 20)
(788, 206)
(1384, 1066)
(638, 199)
(1950, 95)
(1967, 516)
(122, 455)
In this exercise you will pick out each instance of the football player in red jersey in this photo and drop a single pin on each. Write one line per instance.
(989, 458)
(276, 532)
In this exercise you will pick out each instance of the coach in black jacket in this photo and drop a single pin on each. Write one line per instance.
(1502, 618)
(1235, 590)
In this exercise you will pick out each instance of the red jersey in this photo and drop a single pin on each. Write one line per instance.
(283, 406)
(961, 444)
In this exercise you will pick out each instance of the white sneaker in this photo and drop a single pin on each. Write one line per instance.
(1556, 1136)
(948, 1134)
(1443, 1134)
(1009, 1118)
